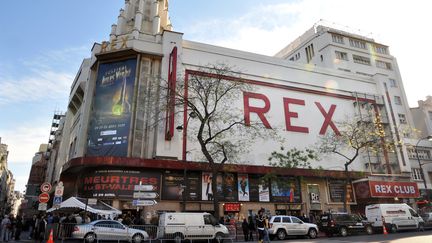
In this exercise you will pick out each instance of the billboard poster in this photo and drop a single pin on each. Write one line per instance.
(286, 189)
(264, 193)
(116, 183)
(173, 185)
(243, 187)
(108, 132)
(229, 188)
(207, 191)
(258, 189)
(193, 186)
(336, 191)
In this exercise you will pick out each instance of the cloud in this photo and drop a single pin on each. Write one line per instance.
(45, 77)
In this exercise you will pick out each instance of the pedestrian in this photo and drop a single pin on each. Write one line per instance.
(252, 229)
(18, 228)
(245, 227)
(260, 222)
(31, 223)
(41, 228)
(5, 226)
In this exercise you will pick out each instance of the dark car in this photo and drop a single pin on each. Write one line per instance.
(343, 224)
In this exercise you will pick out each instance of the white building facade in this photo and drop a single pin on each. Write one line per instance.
(110, 143)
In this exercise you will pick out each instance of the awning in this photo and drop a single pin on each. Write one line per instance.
(100, 208)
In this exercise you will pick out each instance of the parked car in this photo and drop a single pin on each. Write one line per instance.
(427, 218)
(282, 226)
(191, 226)
(343, 224)
(108, 230)
(397, 216)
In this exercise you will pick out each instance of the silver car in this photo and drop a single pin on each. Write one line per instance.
(108, 230)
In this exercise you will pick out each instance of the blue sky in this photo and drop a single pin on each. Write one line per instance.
(42, 44)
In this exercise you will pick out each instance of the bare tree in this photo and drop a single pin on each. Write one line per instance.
(355, 136)
(210, 95)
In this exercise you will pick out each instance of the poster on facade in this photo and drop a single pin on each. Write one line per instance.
(116, 183)
(286, 189)
(336, 191)
(229, 188)
(108, 132)
(193, 186)
(243, 187)
(258, 190)
(207, 191)
(173, 185)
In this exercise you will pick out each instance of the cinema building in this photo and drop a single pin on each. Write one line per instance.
(111, 142)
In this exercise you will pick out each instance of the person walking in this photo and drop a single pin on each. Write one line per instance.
(252, 229)
(245, 227)
(5, 226)
(260, 221)
(18, 228)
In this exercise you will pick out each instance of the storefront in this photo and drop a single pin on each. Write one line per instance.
(372, 192)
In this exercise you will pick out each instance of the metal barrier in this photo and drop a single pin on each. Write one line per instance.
(113, 231)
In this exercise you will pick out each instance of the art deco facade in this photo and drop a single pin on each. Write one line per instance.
(110, 142)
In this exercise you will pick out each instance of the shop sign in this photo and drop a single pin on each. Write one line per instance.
(394, 189)
(232, 207)
(314, 193)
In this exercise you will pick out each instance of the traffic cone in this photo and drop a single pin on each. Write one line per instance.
(50, 238)
(384, 228)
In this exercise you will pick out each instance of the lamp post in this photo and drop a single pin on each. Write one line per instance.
(418, 159)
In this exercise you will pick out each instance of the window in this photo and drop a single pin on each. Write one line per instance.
(361, 60)
(392, 82)
(277, 220)
(381, 49)
(397, 100)
(357, 43)
(295, 220)
(341, 55)
(338, 39)
(295, 57)
(309, 52)
(402, 118)
(383, 65)
(416, 174)
(422, 153)
(286, 220)
(207, 219)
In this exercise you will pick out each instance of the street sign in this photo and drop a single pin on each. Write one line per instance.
(58, 192)
(145, 195)
(144, 188)
(42, 207)
(45, 187)
(92, 201)
(57, 200)
(44, 197)
(143, 202)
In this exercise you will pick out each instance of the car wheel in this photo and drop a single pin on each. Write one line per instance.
(178, 237)
(369, 230)
(90, 238)
(137, 238)
(281, 234)
(393, 228)
(312, 233)
(219, 238)
(343, 231)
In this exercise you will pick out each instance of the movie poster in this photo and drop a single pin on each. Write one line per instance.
(229, 188)
(173, 185)
(193, 186)
(286, 189)
(109, 128)
(116, 183)
(336, 191)
(264, 192)
(243, 187)
(258, 190)
(207, 191)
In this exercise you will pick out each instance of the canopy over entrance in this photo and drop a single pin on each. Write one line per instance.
(100, 208)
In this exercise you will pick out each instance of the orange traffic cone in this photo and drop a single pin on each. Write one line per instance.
(384, 228)
(50, 238)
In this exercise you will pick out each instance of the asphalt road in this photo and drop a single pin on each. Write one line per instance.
(400, 237)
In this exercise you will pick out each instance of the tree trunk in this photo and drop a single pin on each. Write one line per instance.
(215, 194)
(345, 193)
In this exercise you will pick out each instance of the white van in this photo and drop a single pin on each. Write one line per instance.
(396, 217)
(182, 226)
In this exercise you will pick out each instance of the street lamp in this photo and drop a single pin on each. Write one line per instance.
(429, 137)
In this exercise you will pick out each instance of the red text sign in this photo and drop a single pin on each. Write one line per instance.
(44, 197)
(394, 189)
(232, 207)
